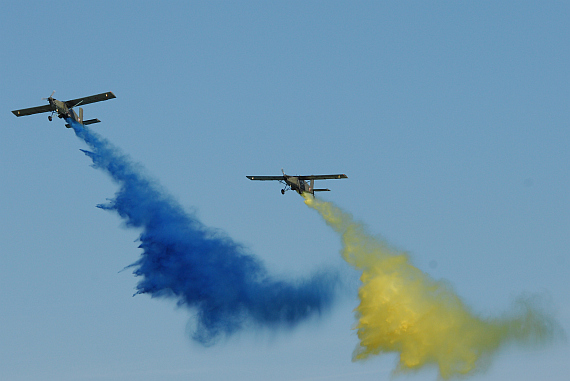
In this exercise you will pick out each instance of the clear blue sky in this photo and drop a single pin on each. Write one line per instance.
(450, 120)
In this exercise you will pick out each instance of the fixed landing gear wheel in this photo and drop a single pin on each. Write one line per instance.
(50, 118)
(282, 191)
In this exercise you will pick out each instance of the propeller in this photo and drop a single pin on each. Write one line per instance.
(52, 93)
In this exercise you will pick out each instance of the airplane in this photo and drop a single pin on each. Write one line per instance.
(65, 109)
(299, 183)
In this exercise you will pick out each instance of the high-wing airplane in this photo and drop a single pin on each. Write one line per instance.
(299, 183)
(65, 109)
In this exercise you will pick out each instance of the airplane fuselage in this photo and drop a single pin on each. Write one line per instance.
(298, 185)
(63, 111)
(60, 108)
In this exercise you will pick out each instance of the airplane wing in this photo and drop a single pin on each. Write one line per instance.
(266, 178)
(323, 177)
(33, 110)
(90, 99)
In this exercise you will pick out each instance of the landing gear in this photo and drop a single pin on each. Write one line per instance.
(286, 186)
(50, 118)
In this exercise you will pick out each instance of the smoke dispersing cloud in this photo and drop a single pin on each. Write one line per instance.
(403, 310)
(201, 268)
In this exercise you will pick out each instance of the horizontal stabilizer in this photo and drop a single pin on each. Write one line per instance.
(91, 121)
(86, 122)
(321, 190)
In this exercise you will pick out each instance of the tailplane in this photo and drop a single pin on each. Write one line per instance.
(86, 122)
(313, 190)
(91, 121)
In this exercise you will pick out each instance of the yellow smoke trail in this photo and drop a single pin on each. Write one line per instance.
(403, 310)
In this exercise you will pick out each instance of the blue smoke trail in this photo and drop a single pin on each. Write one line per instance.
(201, 268)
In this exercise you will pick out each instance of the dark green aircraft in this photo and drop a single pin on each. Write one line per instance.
(299, 183)
(65, 109)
